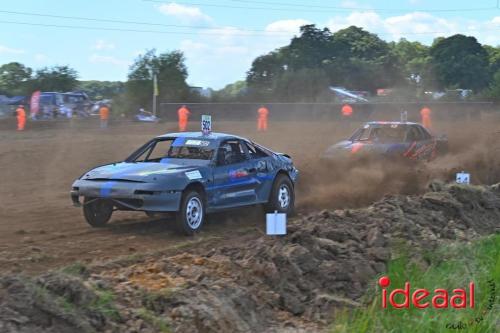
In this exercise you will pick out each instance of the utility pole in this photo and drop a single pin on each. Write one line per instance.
(155, 93)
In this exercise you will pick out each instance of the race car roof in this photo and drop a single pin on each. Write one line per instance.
(390, 123)
(213, 135)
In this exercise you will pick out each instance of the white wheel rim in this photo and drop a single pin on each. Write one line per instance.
(194, 212)
(284, 196)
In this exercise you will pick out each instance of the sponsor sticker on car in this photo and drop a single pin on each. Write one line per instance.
(193, 174)
(203, 143)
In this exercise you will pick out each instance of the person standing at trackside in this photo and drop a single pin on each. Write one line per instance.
(425, 113)
(21, 117)
(104, 115)
(183, 115)
(262, 114)
(346, 111)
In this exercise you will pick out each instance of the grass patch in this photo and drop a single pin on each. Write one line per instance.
(450, 267)
(159, 324)
(77, 269)
(104, 304)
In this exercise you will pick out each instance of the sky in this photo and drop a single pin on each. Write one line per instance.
(220, 38)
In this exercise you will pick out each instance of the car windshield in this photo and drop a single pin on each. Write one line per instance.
(390, 133)
(178, 148)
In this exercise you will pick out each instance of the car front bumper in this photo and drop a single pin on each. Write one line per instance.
(128, 195)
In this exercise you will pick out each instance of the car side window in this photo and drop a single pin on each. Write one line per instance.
(413, 134)
(423, 132)
(230, 152)
(254, 152)
(160, 150)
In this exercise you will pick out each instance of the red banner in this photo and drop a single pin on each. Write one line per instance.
(35, 103)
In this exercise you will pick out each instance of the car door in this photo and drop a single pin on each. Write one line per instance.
(421, 145)
(234, 183)
(428, 144)
(263, 172)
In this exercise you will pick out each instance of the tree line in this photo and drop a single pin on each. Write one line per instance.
(359, 60)
(303, 70)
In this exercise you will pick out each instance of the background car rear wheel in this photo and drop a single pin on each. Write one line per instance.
(97, 211)
(282, 197)
(191, 215)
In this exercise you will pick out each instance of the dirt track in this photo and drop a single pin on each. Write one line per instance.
(39, 229)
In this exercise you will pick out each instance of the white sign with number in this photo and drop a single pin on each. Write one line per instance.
(463, 178)
(206, 124)
(276, 224)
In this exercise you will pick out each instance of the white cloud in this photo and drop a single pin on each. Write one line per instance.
(41, 58)
(353, 4)
(419, 23)
(419, 26)
(235, 49)
(184, 13)
(290, 26)
(8, 50)
(101, 44)
(100, 59)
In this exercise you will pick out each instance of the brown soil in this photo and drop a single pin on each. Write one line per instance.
(39, 228)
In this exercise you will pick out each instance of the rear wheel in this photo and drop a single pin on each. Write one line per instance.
(97, 211)
(191, 215)
(282, 197)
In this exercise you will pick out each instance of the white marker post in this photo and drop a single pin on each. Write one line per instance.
(463, 178)
(206, 124)
(276, 223)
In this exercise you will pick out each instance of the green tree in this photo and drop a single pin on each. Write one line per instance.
(460, 62)
(413, 58)
(231, 92)
(265, 69)
(14, 79)
(362, 61)
(303, 85)
(310, 49)
(494, 89)
(101, 89)
(493, 57)
(171, 72)
(57, 78)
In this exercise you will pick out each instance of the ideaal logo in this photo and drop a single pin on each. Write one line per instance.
(422, 298)
(460, 297)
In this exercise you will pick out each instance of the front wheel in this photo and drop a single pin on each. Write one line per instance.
(191, 216)
(282, 198)
(97, 211)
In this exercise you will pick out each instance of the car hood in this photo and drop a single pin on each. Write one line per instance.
(137, 171)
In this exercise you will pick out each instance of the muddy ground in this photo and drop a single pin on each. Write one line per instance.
(138, 275)
(39, 228)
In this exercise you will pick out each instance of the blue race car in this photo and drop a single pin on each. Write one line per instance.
(191, 174)
(393, 140)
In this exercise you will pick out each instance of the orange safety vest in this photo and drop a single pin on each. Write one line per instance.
(20, 113)
(346, 110)
(183, 113)
(104, 112)
(263, 112)
(425, 112)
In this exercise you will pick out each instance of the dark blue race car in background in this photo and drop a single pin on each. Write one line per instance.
(191, 174)
(391, 140)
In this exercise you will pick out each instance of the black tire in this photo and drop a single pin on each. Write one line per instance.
(97, 211)
(282, 185)
(191, 214)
